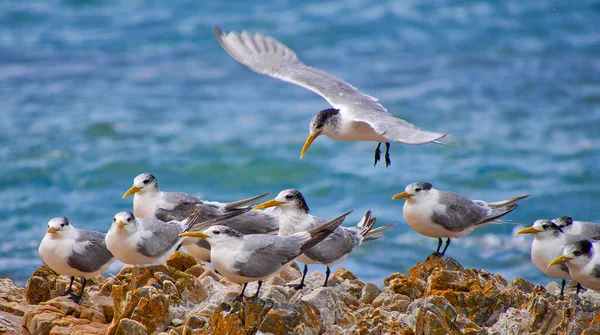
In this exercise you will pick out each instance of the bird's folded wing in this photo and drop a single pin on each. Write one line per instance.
(265, 254)
(89, 252)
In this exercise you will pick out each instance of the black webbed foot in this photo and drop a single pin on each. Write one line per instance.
(377, 154)
(297, 287)
(388, 161)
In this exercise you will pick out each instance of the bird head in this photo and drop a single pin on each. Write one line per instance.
(321, 124)
(124, 221)
(577, 253)
(215, 235)
(142, 183)
(287, 199)
(414, 192)
(58, 226)
(542, 229)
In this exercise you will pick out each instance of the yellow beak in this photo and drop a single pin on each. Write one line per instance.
(121, 224)
(131, 191)
(529, 230)
(307, 144)
(559, 259)
(267, 204)
(402, 195)
(51, 230)
(197, 234)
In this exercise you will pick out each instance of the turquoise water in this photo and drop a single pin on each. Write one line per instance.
(92, 93)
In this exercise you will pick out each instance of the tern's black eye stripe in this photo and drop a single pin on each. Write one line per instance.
(216, 232)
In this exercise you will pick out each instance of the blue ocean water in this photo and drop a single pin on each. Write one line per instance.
(93, 93)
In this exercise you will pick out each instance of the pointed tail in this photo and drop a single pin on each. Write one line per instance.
(236, 204)
(199, 226)
(504, 203)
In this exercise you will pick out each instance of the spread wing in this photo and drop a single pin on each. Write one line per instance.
(158, 237)
(266, 55)
(89, 253)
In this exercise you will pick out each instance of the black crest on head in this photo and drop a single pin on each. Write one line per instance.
(299, 199)
(424, 186)
(324, 115)
(583, 247)
(564, 221)
(231, 232)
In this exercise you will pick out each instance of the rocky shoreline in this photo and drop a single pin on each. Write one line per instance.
(437, 296)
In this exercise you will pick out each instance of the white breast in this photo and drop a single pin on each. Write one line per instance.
(124, 247)
(55, 252)
(545, 251)
(144, 205)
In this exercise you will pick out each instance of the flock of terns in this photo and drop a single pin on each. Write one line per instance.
(246, 244)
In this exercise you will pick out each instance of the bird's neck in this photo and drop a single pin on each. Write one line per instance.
(292, 221)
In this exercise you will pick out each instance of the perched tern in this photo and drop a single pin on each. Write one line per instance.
(548, 243)
(294, 217)
(246, 258)
(445, 214)
(583, 259)
(149, 202)
(74, 252)
(589, 229)
(148, 241)
(354, 116)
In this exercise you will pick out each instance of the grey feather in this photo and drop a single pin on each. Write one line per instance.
(244, 202)
(460, 212)
(164, 236)
(95, 256)
(269, 253)
(276, 60)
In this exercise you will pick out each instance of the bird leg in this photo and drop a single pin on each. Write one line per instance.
(578, 288)
(240, 296)
(388, 161)
(377, 154)
(77, 298)
(301, 285)
(446, 246)
(255, 296)
(68, 291)
(437, 251)
(327, 272)
(562, 287)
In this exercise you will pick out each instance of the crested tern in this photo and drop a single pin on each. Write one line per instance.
(294, 217)
(548, 243)
(139, 241)
(74, 252)
(445, 214)
(149, 202)
(569, 226)
(583, 259)
(354, 116)
(246, 258)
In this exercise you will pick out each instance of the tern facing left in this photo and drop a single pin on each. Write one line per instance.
(548, 243)
(74, 252)
(583, 259)
(445, 214)
(355, 116)
(294, 217)
(246, 258)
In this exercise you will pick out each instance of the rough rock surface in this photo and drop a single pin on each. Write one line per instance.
(437, 296)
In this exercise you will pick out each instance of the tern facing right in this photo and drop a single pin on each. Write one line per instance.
(583, 259)
(294, 217)
(355, 116)
(445, 214)
(246, 258)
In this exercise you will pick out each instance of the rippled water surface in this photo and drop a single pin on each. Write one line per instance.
(93, 93)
